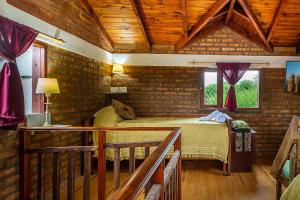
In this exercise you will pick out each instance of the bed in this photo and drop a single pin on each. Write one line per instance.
(200, 139)
(292, 192)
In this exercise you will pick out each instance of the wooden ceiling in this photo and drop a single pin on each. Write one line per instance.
(178, 22)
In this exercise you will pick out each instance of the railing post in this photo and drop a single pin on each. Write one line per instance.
(177, 146)
(117, 168)
(24, 165)
(101, 165)
(158, 178)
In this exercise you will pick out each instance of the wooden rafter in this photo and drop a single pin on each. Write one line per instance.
(278, 12)
(87, 5)
(255, 22)
(202, 22)
(184, 18)
(230, 11)
(136, 7)
(241, 15)
(219, 15)
(236, 28)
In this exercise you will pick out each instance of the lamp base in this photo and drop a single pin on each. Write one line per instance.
(47, 114)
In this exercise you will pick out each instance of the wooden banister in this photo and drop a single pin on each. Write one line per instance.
(154, 192)
(147, 169)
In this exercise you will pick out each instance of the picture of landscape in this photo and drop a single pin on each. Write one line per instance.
(292, 81)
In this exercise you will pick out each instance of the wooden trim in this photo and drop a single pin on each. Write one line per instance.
(202, 22)
(177, 147)
(88, 129)
(184, 18)
(230, 11)
(98, 23)
(39, 70)
(229, 127)
(24, 165)
(241, 15)
(256, 23)
(220, 91)
(140, 17)
(101, 165)
(279, 10)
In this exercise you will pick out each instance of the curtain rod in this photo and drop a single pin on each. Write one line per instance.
(205, 63)
(46, 36)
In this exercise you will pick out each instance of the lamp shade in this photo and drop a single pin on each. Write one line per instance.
(47, 86)
(118, 69)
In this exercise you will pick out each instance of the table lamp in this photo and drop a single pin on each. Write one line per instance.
(47, 86)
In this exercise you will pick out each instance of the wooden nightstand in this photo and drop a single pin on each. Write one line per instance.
(241, 161)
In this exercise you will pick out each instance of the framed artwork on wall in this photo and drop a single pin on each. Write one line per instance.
(292, 78)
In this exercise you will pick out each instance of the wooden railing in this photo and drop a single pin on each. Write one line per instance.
(150, 175)
(289, 149)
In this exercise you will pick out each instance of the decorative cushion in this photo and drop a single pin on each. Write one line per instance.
(107, 116)
(124, 110)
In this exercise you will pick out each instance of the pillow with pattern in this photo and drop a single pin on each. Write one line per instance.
(124, 110)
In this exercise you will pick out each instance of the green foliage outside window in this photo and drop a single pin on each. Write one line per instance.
(246, 94)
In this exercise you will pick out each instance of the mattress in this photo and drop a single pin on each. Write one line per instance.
(200, 139)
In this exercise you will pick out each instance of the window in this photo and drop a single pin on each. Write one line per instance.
(216, 88)
(31, 66)
(210, 88)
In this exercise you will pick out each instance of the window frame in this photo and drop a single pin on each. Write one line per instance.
(220, 90)
(39, 60)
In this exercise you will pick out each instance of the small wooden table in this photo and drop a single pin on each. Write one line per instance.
(242, 161)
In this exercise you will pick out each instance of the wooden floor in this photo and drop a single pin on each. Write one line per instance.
(203, 180)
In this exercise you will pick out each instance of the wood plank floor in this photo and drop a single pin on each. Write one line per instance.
(203, 180)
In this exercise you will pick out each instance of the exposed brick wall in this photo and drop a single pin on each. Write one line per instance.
(69, 16)
(82, 82)
(154, 91)
(224, 41)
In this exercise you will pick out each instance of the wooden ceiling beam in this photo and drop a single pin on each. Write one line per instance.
(241, 15)
(202, 22)
(136, 7)
(245, 5)
(230, 11)
(88, 7)
(238, 29)
(184, 18)
(278, 12)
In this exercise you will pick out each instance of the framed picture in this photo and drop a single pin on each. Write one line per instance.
(292, 79)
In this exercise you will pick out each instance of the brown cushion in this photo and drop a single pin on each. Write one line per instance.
(124, 110)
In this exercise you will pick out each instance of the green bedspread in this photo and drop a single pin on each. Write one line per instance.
(292, 192)
(200, 139)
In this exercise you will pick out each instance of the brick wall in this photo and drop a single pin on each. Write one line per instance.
(69, 16)
(82, 82)
(154, 91)
(224, 41)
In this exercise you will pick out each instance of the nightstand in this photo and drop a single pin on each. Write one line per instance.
(242, 154)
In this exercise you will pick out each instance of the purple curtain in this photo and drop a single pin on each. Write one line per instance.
(232, 72)
(15, 39)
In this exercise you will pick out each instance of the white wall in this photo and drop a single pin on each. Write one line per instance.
(184, 60)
